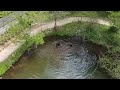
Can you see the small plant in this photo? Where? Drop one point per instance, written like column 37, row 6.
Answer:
column 38, row 39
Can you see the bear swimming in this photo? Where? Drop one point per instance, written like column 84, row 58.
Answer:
column 58, row 45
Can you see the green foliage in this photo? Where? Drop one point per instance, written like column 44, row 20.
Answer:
column 4, row 13
column 3, row 68
column 105, row 62
column 84, row 13
column 113, row 29
column 95, row 14
column 96, row 33
column 115, row 17
column 70, row 29
column 115, row 72
column 114, row 14
column 111, row 65
column 103, row 14
column 24, row 21
column 113, row 40
column 59, row 14
column 39, row 16
column 39, row 38
column 14, row 30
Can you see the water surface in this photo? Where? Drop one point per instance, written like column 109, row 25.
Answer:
column 59, row 58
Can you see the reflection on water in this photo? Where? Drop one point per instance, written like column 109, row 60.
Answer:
column 69, row 58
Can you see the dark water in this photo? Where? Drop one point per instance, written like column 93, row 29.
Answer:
column 59, row 58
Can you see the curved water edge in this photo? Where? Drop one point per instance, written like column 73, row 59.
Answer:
column 59, row 58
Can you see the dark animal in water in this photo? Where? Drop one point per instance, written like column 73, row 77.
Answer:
column 27, row 53
column 70, row 45
column 57, row 45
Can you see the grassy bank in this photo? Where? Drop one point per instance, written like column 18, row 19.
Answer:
column 95, row 33
column 4, row 66
column 38, row 39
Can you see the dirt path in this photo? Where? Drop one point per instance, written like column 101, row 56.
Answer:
column 11, row 48
column 66, row 21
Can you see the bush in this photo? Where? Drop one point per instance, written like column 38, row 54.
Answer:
column 113, row 29
column 111, row 66
column 38, row 39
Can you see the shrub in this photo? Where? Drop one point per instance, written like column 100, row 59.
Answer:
column 113, row 29
column 38, row 39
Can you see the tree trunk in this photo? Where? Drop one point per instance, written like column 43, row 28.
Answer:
column 55, row 27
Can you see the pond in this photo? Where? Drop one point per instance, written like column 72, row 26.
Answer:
column 59, row 58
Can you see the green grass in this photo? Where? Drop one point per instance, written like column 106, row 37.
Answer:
column 4, row 13
column 94, row 14
column 111, row 64
column 20, row 28
column 84, row 13
column 39, row 16
column 97, row 35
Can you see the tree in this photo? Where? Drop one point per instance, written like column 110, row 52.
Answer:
column 58, row 14
column 55, row 16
